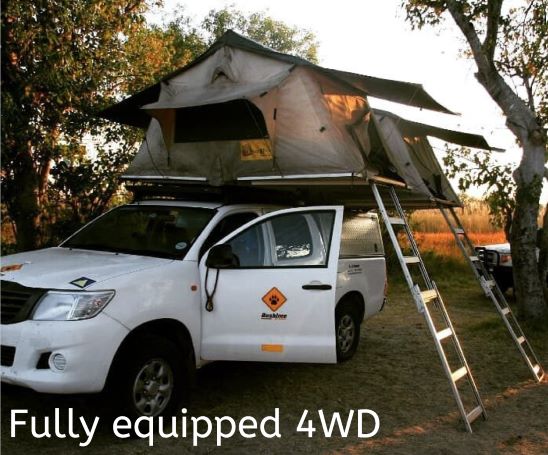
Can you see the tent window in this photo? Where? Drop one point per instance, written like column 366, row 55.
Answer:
column 231, row 121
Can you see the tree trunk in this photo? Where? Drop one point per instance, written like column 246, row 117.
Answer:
column 543, row 255
column 528, row 289
column 25, row 211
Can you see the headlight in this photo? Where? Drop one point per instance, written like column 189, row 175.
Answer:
column 504, row 258
column 71, row 306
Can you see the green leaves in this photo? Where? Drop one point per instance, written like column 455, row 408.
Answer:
column 480, row 169
column 263, row 29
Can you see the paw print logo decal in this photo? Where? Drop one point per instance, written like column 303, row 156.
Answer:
column 274, row 299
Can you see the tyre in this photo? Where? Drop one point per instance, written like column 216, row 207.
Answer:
column 347, row 330
column 503, row 285
column 503, row 282
column 150, row 379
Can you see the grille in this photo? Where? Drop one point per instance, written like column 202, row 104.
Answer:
column 489, row 257
column 12, row 304
column 17, row 302
column 8, row 354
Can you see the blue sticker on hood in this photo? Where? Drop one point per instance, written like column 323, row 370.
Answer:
column 82, row 282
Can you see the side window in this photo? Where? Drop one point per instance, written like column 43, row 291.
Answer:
column 292, row 240
column 227, row 225
column 292, row 237
column 361, row 235
column 249, row 247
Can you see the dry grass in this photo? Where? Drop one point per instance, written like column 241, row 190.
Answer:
column 443, row 243
column 474, row 218
column 433, row 235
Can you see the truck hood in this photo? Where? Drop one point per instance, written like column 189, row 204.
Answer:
column 503, row 248
column 64, row 268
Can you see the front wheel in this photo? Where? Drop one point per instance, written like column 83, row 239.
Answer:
column 347, row 331
column 151, row 380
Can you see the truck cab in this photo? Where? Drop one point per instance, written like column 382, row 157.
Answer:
column 139, row 298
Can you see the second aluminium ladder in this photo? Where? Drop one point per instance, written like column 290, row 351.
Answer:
column 492, row 291
column 430, row 304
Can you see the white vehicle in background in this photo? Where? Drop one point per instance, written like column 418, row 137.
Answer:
column 142, row 296
column 497, row 258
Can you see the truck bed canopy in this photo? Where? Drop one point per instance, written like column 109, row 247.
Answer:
column 242, row 114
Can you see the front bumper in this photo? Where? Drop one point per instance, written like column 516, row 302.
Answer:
column 87, row 345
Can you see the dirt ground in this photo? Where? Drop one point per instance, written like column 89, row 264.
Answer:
column 396, row 373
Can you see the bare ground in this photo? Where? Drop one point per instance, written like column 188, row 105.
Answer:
column 396, row 373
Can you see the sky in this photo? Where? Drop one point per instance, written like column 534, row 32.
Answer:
column 371, row 37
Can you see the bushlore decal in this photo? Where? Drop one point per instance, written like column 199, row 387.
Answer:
column 274, row 299
column 274, row 316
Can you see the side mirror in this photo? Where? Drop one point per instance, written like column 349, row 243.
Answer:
column 220, row 257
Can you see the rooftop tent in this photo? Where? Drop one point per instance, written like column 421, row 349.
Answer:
column 244, row 114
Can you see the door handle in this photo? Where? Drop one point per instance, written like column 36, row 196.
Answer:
column 317, row 287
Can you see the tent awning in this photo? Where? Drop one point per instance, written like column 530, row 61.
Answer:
column 409, row 128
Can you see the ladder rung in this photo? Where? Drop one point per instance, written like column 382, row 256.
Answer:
column 442, row 334
column 429, row 295
column 474, row 258
column 474, row 414
column 411, row 259
column 490, row 283
column 394, row 220
column 536, row 368
column 521, row 340
column 459, row 231
column 506, row 310
column 456, row 375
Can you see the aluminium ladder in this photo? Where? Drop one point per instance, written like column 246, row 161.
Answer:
column 429, row 302
column 492, row 290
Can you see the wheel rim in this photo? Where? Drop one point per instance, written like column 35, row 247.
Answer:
column 153, row 387
column 346, row 333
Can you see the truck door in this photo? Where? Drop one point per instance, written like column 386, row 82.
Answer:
column 276, row 302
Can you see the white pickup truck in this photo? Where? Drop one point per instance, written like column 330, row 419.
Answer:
column 139, row 298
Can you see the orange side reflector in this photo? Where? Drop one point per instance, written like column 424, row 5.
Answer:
column 272, row 347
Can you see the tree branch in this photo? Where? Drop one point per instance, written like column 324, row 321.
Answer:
column 469, row 32
column 493, row 21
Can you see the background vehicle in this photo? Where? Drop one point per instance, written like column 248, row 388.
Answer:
column 498, row 260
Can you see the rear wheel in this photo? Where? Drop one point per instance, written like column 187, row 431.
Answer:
column 347, row 330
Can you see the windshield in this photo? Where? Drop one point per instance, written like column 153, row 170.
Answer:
column 144, row 230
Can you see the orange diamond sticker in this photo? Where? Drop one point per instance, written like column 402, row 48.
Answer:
column 274, row 299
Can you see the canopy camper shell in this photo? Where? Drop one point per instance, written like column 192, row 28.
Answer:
column 243, row 115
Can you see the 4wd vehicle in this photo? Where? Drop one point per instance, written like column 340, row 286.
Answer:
column 498, row 260
column 146, row 293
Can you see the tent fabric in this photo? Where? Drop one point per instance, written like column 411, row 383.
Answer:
column 412, row 156
column 307, row 133
column 243, row 113
column 127, row 111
